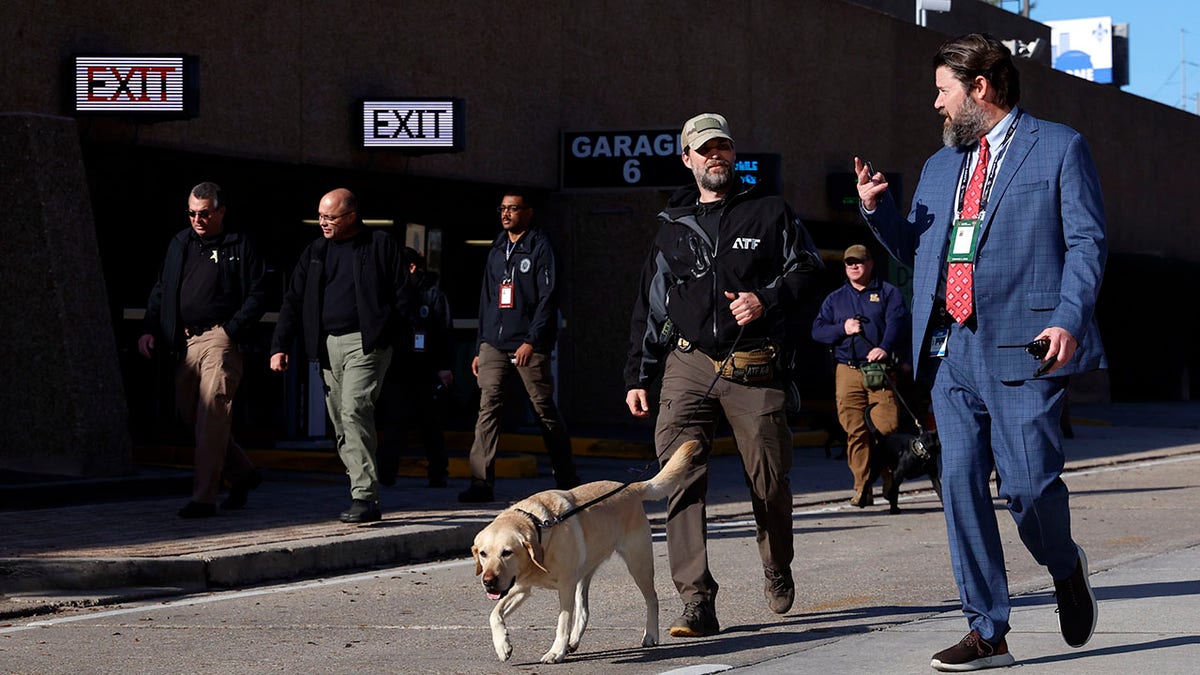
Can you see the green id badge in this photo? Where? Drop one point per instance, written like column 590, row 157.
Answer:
column 962, row 240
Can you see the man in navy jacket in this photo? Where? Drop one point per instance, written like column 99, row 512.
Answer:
column 518, row 326
column 863, row 321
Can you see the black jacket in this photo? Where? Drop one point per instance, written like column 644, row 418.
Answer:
column 382, row 291
column 431, row 316
column 762, row 248
column 533, row 317
column 243, row 273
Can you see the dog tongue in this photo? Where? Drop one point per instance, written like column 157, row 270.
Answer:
column 493, row 596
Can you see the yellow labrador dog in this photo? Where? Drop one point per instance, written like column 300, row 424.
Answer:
column 515, row 553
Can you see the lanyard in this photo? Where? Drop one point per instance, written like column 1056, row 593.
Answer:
column 509, row 247
column 993, row 169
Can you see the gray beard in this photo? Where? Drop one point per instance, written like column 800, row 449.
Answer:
column 966, row 128
column 716, row 182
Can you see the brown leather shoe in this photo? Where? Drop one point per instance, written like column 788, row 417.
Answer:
column 972, row 653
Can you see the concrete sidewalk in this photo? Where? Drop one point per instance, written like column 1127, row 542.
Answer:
column 1147, row 616
column 119, row 549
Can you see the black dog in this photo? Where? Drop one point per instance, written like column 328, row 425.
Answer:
column 907, row 455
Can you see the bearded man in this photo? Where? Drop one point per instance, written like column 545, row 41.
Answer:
column 1007, row 238
column 727, row 267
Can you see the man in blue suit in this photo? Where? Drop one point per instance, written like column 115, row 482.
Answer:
column 1006, row 237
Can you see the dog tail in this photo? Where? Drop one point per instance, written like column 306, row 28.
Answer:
column 671, row 475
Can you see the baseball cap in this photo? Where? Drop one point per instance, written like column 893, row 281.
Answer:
column 857, row 252
column 702, row 128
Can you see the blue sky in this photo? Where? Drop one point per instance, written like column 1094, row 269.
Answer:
column 1154, row 40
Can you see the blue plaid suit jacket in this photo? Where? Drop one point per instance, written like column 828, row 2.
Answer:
column 1041, row 251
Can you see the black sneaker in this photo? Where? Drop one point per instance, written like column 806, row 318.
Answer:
column 198, row 510
column 972, row 653
column 361, row 511
column 1077, row 610
column 240, row 490
column 779, row 589
column 699, row 619
column 478, row 493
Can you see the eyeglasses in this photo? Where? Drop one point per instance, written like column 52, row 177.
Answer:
column 851, row 262
column 201, row 215
column 510, row 208
column 322, row 218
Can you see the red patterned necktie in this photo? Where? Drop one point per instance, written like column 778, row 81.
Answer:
column 960, row 282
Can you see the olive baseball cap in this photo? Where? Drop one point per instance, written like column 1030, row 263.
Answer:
column 703, row 128
column 857, row 252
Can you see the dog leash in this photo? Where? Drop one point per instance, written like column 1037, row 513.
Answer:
column 539, row 524
column 890, row 384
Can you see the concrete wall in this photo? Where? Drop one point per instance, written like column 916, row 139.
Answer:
column 817, row 81
column 60, row 388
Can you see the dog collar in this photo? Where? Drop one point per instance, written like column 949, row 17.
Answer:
column 537, row 524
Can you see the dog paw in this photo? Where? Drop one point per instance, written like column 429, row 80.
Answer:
column 649, row 640
column 504, row 651
column 552, row 657
column 572, row 647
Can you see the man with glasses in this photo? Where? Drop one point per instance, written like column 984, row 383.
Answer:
column 518, row 326
column 728, row 266
column 863, row 322
column 209, row 295
column 348, row 299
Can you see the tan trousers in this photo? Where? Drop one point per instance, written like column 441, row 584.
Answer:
column 852, row 398
column 765, row 444
column 205, row 383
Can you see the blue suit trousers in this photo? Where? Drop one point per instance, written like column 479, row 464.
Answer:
column 1012, row 427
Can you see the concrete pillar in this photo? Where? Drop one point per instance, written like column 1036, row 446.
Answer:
column 62, row 405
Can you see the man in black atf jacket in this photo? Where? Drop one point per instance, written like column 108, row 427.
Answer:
column 727, row 266
column 209, row 295
column 518, row 325
column 348, row 297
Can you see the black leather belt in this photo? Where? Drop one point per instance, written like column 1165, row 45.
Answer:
column 196, row 331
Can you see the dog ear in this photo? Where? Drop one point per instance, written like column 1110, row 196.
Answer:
column 475, row 555
column 536, row 555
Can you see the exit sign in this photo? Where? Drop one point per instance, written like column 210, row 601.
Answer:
column 421, row 125
column 136, row 84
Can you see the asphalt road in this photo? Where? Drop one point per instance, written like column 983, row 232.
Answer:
column 856, row 572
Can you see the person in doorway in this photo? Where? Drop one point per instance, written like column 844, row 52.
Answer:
column 210, row 293
column 348, row 299
column 418, row 383
column 518, row 327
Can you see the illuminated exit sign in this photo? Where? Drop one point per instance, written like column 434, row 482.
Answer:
column 419, row 125
column 164, row 85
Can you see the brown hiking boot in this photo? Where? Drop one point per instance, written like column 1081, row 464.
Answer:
column 779, row 589
column 699, row 619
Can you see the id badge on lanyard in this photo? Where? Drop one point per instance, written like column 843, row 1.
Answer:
column 963, row 240
column 506, row 295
